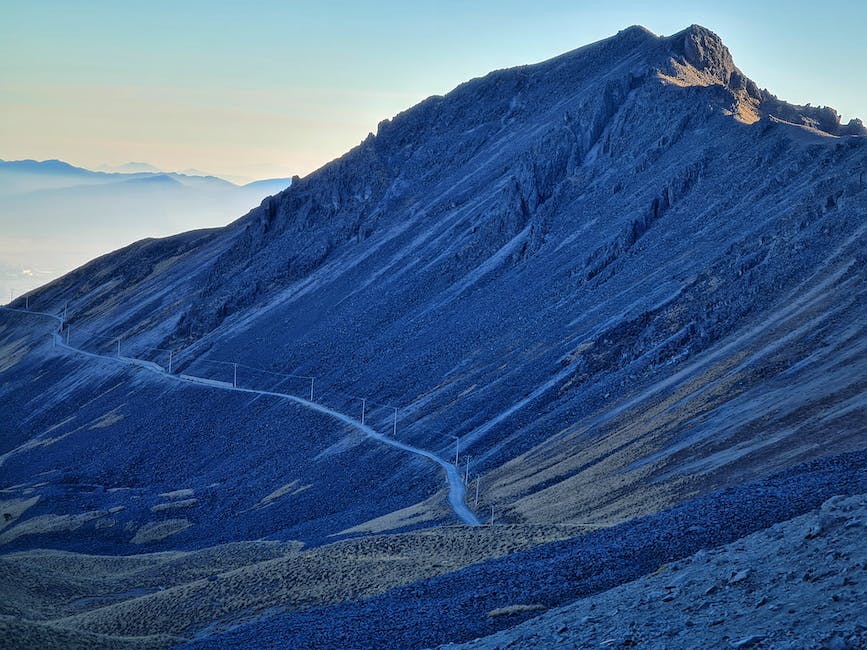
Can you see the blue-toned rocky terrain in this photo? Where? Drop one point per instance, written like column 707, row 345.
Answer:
column 625, row 286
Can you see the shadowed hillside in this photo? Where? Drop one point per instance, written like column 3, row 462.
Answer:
column 627, row 279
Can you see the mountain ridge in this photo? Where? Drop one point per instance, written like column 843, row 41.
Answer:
column 391, row 241
column 623, row 289
column 700, row 47
column 598, row 281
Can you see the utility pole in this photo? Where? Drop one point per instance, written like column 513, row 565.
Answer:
column 492, row 515
column 65, row 307
column 394, row 429
column 67, row 334
column 311, row 389
column 476, row 502
column 27, row 302
column 171, row 353
column 363, row 404
column 235, row 375
column 467, row 472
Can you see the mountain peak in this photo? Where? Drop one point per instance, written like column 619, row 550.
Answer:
column 635, row 30
column 703, row 51
column 698, row 57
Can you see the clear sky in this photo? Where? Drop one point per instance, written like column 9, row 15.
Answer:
column 258, row 89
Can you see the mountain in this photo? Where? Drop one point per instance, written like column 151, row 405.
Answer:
column 625, row 287
column 23, row 177
column 18, row 176
column 135, row 167
column 56, row 216
column 272, row 185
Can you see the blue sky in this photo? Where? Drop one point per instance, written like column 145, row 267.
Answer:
column 257, row 89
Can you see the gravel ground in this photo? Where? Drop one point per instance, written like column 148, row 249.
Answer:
column 801, row 583
column 457, row 607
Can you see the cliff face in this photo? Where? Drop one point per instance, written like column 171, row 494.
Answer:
column 515, row 137
column 623, row 276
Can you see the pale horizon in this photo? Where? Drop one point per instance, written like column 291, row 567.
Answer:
column 275, row 89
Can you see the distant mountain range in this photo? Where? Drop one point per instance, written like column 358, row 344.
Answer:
column 135, row 167
column 23, row 176
column 55, row 216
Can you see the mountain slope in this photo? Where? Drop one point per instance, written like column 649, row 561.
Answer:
column 633, row 219
column 734, row 594
column 626, row 278
column 629, row 217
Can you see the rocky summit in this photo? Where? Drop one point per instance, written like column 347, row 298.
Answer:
column 611, row 305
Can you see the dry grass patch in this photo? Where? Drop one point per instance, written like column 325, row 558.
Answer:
column 47, row 524
column 48, row 584
column 176, row 594
column 12, row 509
column 290, row 489
column 171, row 505
column 18, row 634
column 112, row 417
column 184, row 493
column 429, row 510
column 12, row 352
column 155, row 531
column 510, row 610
